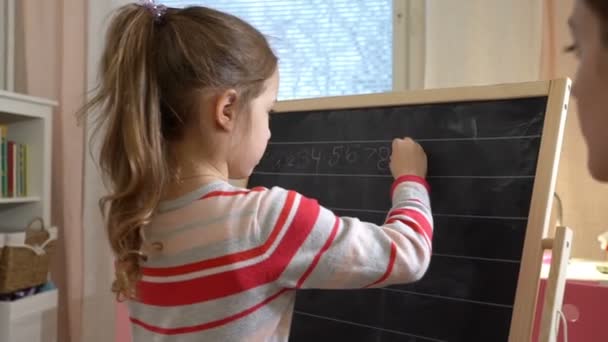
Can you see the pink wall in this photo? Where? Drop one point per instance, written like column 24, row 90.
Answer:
column 50, row 61
column 585, row 301
column 123, row 329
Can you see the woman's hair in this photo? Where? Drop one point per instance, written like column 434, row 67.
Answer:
column 600, row 7
column 153, row 72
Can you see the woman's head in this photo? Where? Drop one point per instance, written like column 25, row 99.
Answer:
column 191, row 77
column 589, row 26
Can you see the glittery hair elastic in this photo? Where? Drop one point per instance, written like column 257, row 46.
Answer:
column 157, row 10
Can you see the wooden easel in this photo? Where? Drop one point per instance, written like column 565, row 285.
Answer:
column 536, row 236
column 560, row 246
column 539, row 219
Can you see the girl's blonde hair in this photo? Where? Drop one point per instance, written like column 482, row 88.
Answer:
column 152, row 74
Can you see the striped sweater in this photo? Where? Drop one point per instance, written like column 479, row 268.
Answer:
column 233, row 258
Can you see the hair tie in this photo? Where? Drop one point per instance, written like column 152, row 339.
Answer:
column 157, row 10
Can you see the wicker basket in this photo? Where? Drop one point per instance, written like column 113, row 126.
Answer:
column 25, row 257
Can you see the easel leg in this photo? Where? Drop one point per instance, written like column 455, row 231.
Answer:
column 561, row 247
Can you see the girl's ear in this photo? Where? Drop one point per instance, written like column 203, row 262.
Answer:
column 224, row 115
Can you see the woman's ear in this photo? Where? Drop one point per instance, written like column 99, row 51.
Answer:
column 225, row 109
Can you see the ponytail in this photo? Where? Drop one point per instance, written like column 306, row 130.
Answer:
column 156, row 64
column 131, row 157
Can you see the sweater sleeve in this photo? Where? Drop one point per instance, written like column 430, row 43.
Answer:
column 317, row 249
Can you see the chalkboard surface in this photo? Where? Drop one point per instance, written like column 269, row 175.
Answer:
column 482, row 164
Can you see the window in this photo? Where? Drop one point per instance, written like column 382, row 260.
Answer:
column 325, row 47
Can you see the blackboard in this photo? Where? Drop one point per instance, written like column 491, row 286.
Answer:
column 493, row 154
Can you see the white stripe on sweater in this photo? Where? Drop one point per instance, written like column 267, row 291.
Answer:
column 236, row 265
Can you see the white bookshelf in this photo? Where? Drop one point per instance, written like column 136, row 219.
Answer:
column 29, row 121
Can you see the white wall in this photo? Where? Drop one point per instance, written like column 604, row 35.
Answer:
column 3, row 20
column 7, row 44
column 476, row 42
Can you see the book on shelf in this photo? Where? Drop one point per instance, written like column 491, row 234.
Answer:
column 12, row 177
column 4, row 161
column 13, row 166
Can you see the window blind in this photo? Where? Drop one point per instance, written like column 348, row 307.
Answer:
column 325, row 47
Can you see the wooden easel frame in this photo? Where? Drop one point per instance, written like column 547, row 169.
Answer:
column 558, row 93
column 540, row 219
column 561, row 247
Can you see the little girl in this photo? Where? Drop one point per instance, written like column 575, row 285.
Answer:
column 184, row 102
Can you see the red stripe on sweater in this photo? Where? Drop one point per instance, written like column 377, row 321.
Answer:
column 323, row 249
column 231, row 282
column 419, row 222
column 389, row 268
column 232, row 193
column 209, row 325
column 230, row 258
column 409, row 178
